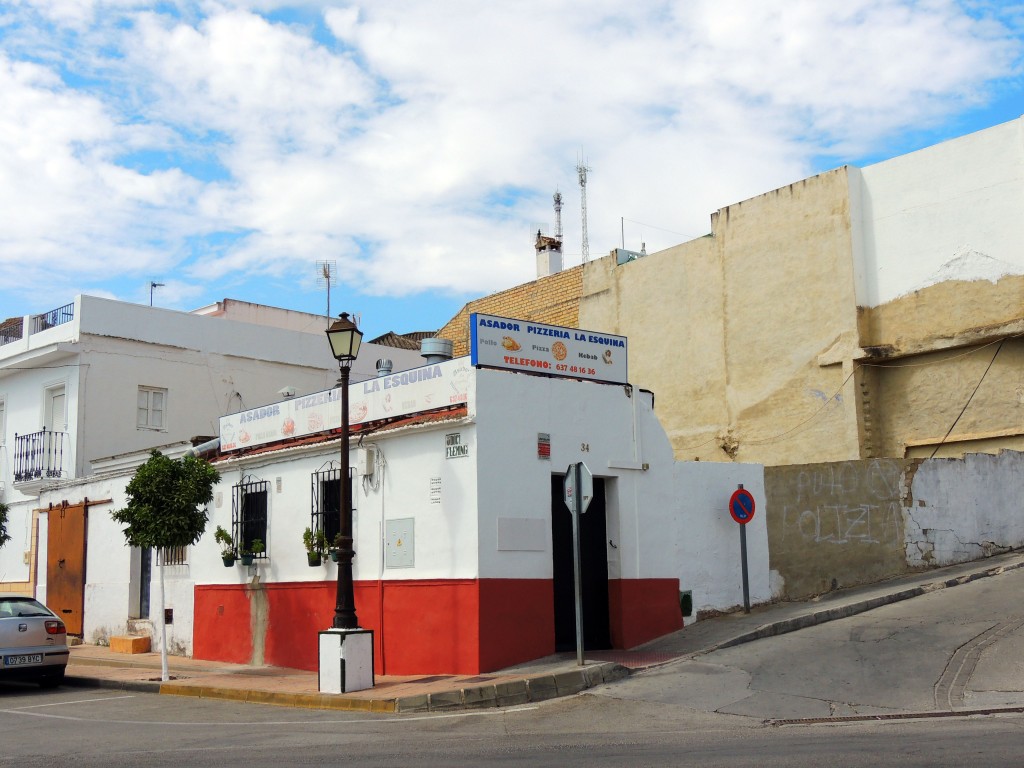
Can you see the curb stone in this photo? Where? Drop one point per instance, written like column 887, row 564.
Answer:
column 138, row 686
column 541, row 688
column 511, row 693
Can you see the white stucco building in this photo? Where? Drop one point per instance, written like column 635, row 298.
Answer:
column 96, row 378
column 462, row 538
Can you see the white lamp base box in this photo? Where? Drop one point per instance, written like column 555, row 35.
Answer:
column 346, row 660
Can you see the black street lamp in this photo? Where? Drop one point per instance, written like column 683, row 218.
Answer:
column 345, row 338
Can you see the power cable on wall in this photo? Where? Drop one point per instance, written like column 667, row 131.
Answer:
column 964, row 409
column 810, row 418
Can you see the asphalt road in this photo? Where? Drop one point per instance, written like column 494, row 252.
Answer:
column 937, row 653
column 114, row 729
column 955, row 649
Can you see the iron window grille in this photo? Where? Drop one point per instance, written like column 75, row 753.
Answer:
column 326, row 513
column 249, row 513
column 172, row 556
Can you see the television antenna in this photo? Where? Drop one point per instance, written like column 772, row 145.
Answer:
column 326, row 274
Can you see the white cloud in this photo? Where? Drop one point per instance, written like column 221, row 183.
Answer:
column 419, row 143
column 60, row 190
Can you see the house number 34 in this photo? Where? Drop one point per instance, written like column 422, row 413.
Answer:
column 585, row 447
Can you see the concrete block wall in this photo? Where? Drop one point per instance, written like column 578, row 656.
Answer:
column 840, row 524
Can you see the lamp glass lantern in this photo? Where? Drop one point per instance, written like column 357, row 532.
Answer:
column 345, row 339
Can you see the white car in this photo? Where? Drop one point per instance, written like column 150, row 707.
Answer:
column 33, row 642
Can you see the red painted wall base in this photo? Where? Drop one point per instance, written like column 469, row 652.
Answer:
column 454, row 626
column 642, row 609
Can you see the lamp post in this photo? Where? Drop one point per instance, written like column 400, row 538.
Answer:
column 345, row 338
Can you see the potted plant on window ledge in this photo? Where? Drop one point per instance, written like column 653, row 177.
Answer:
column 256, row 547
column 335, row 547
column 227, row 546
column 316, row 545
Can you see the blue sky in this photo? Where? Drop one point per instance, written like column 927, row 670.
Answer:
column 224, row 148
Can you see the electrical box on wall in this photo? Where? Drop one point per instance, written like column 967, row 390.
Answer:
column 400, row 543
column 366, row 460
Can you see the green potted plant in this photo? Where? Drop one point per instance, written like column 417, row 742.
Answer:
column 227, row 546
column 335, row 546
column 316, row 545
column 256, row 547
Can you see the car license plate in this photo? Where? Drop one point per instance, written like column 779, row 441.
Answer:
column 28, row 658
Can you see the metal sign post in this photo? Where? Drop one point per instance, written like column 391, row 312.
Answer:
column 741, row 507
column 579, row 490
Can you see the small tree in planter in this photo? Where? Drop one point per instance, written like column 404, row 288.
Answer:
column 4, row 537
column 316, row 545
column 228, row 550
column 167, row 508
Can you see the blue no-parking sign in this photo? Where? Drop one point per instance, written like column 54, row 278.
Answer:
column 741, row 506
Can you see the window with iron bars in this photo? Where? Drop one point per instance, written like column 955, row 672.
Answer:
column 326, row 511
column 249, row 513
column 172, row 556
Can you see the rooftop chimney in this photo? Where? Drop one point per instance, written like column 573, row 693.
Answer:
column 436, row 350
column 549, row 249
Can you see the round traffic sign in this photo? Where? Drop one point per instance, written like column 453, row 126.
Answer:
column 741, row 506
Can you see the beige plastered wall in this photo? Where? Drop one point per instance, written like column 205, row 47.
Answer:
column 746, row 336
column 945, row 370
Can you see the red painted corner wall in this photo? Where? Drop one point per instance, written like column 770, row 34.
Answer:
column 447, row 626
column 642, row 609
column 517, row 621
column 431, row 627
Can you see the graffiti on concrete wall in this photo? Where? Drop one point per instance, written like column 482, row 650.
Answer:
column 855, row 522
column 836, row 524
column 846, row 503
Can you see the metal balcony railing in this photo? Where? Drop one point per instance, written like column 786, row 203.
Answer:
column 38, row 456
column 10, row 331
column 54, row 317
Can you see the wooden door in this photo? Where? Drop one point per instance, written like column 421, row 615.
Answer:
column 65, row 563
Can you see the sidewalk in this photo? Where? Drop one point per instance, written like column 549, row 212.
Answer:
column 551, row 677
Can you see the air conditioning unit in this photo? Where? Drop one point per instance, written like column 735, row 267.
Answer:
column 366, row 461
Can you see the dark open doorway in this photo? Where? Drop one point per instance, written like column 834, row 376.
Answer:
column 593, row 570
